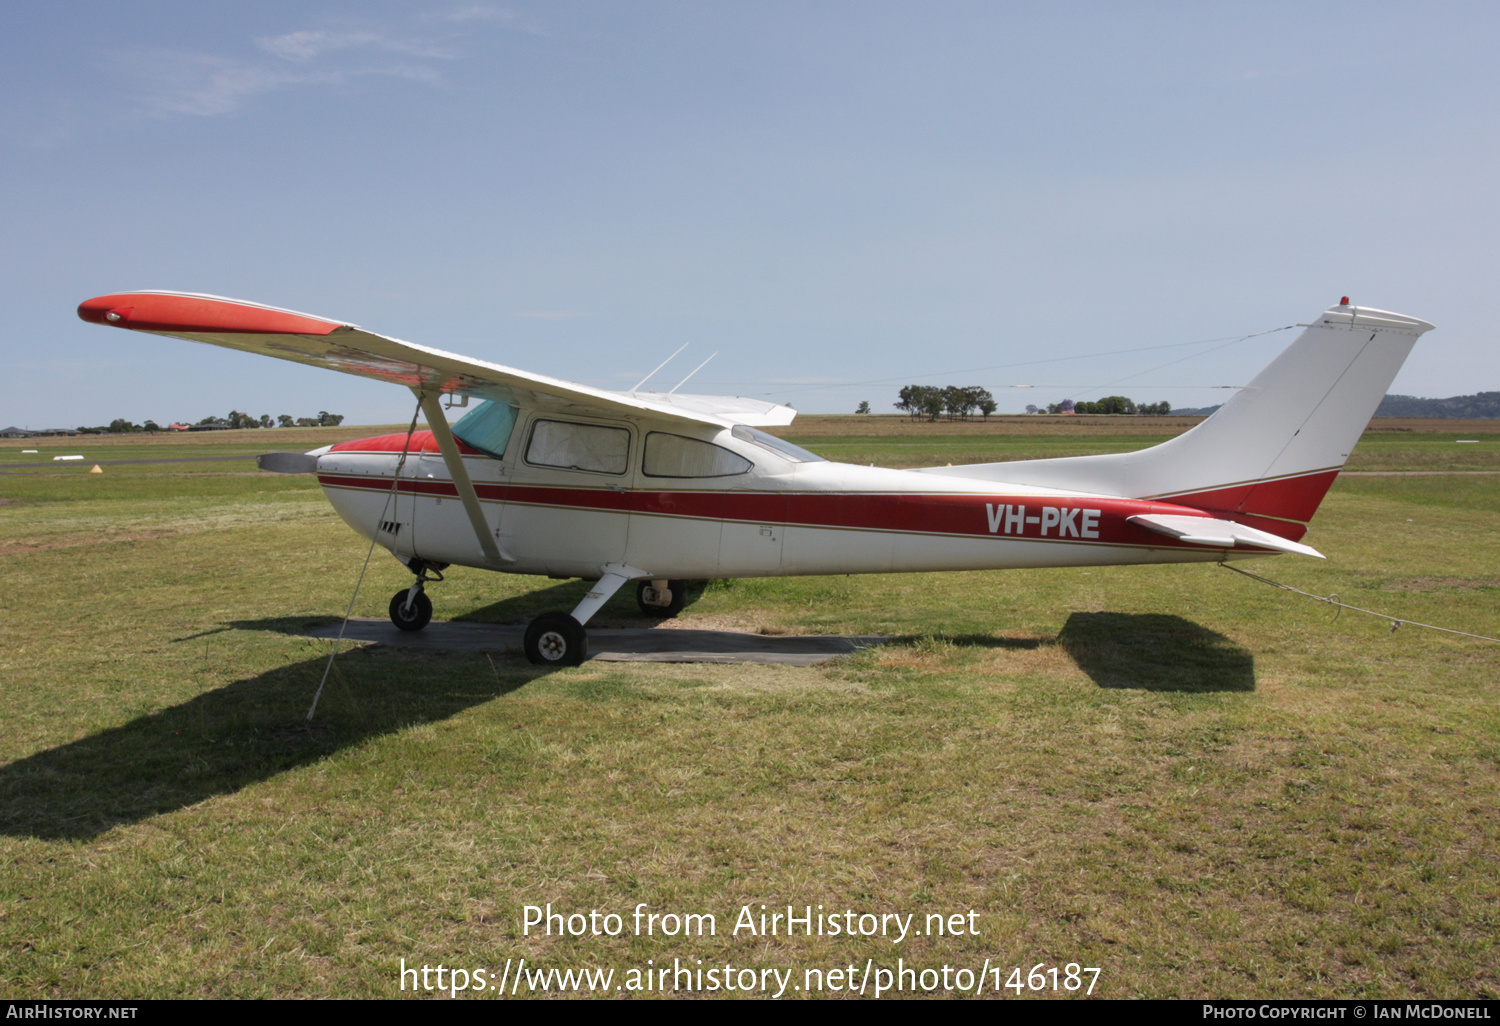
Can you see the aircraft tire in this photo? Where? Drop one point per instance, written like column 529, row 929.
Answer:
column 415, row 618
column 556, row 639
column 666, row 612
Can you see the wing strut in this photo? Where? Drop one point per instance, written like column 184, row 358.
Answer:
column 455, row 463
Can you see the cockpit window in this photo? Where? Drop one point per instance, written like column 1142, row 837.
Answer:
column 592, row 447
column 487, row 428
column 795, row 453
column 677, row 456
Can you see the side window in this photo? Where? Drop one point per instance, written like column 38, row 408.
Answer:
column 593, row 447
column 487, row 428
column 676, row 456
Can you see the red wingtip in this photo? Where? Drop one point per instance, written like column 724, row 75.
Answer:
column 98, row 310
column 173, row 312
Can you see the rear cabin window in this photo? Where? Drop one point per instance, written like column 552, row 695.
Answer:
column 487, row 428
column 568, row 446
column 677, row 456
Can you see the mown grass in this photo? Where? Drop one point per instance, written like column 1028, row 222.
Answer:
column 1199, row 784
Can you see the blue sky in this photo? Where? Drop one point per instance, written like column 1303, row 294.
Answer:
column 839, row 198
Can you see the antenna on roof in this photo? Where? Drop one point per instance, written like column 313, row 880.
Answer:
column 659, row 366
column 695, row 370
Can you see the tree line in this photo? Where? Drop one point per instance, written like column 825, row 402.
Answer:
column 1115, row 404
column 235, row 420
column 954, row 401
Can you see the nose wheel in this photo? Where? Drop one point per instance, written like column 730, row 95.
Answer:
column 410, row 612
column 411, row 609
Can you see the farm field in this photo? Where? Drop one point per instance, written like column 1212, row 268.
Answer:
column 1194, row 783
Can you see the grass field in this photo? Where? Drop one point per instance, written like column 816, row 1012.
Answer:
column 1199, row 785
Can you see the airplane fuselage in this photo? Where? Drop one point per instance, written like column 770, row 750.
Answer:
column 778, row 517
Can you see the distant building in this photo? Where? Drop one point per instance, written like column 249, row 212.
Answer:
column 15, row 432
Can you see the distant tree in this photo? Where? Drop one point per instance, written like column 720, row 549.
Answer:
column 918, row 400
column 864, row 407
column 931, row 402
column 285, row 420
column 1032, row 409
column 907, row 403
column 209, row 420
column 151, row 426
column 306, row 422
column 984, row 402
column 121, row 426
column 265, row 420
column 1110, row 404
column 955, row 402
column 963, row 402
column 327, row 419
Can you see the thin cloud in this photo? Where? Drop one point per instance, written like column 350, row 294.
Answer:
column 203, row 85
column 308, row 44
column 186, row 84
column 495, row 15
column 176, row 84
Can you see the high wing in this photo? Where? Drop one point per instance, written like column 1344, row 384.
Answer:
column 335, row 345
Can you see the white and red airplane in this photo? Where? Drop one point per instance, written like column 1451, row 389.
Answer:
column 549, row 477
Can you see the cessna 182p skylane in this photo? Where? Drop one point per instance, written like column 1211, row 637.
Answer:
column 548, row 477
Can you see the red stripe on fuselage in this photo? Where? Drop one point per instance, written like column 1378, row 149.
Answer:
column 1086, row 521
column 1287, row 498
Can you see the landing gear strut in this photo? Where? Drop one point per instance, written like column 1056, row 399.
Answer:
column 411, row 609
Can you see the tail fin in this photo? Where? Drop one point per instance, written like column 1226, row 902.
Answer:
column 1270, row 454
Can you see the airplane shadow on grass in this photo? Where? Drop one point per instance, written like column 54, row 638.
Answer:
column 1156, row 652
column 252, row 730
column 234, row 736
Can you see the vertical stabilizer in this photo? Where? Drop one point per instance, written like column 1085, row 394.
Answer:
column 1269, row 455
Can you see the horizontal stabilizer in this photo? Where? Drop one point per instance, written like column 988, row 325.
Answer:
column 1219, row 534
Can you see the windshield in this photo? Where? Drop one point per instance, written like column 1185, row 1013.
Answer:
column 487, row 428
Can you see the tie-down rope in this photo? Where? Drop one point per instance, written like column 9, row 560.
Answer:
column 406, row 448
column 1333, row 600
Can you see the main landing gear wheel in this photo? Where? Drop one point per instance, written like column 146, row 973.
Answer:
column 648, row 596
column 556, row 639
column 412, row 617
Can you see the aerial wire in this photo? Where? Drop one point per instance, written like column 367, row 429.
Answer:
column 389, row 496
column 1033, row 363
